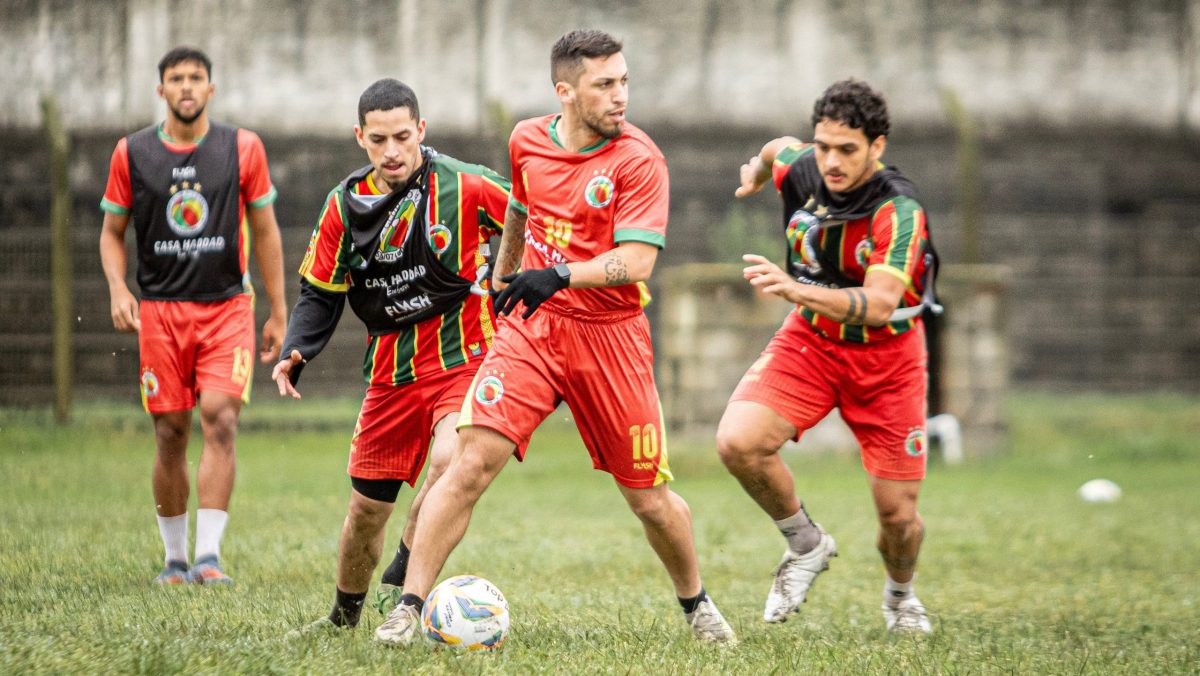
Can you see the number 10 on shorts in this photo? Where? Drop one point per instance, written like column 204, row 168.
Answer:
column 644, row 444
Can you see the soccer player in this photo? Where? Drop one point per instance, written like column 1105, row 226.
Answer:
column 190, row 186
column 405, row 239
column 859, row 244
column 587, row 217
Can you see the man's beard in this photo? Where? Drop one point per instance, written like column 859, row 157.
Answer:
column 188, row 119
column 609, row 133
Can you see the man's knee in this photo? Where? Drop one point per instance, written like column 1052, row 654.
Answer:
column 900, row 520
column 654, row 505
column 739, row 446
column 171, row 433
column 480, row 456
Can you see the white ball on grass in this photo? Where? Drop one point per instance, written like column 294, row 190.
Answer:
column 1100, row 490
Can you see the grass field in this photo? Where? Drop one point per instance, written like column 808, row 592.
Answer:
column 1019, row 574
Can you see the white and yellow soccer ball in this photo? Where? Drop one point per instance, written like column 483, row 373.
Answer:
column 466, row 612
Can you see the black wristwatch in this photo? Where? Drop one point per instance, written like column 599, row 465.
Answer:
column 563, row 273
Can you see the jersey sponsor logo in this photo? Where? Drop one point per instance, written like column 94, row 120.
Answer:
column 149, row 384
column 183, row 173
column 549, row 255
column 862, row 252
column 439, row 238
column 187, row 211
column 599, row 191
column 914, row 445
column 490, row 390
column 182, row 248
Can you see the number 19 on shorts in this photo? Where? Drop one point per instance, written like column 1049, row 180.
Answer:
column 644, row 445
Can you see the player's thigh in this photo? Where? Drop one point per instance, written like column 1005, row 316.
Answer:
column 794, row 376
column 516, row 388
column 225, row 347
column 392, row 434
column 884, row 404
column 611, row 391
column 750, row 428
column 166, row 355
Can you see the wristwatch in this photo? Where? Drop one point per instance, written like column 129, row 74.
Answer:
column 563, row 273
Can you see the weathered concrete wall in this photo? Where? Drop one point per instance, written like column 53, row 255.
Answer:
column 1096, row 221
column 298, row 67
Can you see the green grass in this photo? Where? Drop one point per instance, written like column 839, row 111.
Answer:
column 1019, row 574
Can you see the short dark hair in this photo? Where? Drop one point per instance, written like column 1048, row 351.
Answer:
column 184, row 53
column 567, row 55
column 854, row 104
column 387, row 94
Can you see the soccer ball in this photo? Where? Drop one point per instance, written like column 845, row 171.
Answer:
column 1100, row 490
column 466, row 612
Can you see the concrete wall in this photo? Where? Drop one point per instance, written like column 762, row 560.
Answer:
column 1090, row 188
column 298, row 67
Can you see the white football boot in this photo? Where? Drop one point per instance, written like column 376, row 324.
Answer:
column 907, row 616
column 795, row 576
column 709, row 625
column 402, row 626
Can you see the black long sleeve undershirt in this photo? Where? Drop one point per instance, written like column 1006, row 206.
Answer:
column 312, row 324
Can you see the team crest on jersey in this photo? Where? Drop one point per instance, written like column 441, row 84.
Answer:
column 799, row 224
column 149, row 384
column 490, row 390
column 395, row 228
column 439, row 238
column 187, row 211
column 862, row 252
column 914, row 445
column 599, row 191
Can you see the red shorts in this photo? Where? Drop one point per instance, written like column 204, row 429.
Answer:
column 395, row 426
column 602, row 367
column 879, row 389
column 188, row 347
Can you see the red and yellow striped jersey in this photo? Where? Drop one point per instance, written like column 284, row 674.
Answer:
column 466, row 206
column 893, row 238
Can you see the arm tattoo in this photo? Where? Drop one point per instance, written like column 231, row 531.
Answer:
column 615, row 271
column 857, row 312
column 512, row 243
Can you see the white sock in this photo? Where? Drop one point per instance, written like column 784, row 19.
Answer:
column 799, row 530
column 895, row 592
column 174, row 532
column 210, row 526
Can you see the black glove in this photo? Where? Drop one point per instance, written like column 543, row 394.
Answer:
column 532, row 287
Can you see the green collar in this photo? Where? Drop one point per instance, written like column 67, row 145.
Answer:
column 554, row 137
column 164, row 136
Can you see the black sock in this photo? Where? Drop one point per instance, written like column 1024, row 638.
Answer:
column 690, row 605
column 394, row 575
column 347, row 608
column 412, row 600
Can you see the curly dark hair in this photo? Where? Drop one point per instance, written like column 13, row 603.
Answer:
column 567, row 55
column 854, row 104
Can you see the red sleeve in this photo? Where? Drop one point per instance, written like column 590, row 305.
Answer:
column 118, row 195
column 493, row 201
column 324, row 264
column 254, row 179
column 643, row 200
column 518, row 176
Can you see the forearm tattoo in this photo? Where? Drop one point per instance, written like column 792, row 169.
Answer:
column 857, row 312
column 512, row 242
column 615, row 271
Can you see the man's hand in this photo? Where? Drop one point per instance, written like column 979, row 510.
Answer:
column 770, row 278
column 272, row 339
column 532, row 287
column 124, row 308
column 753, row 175
column 282, row 374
